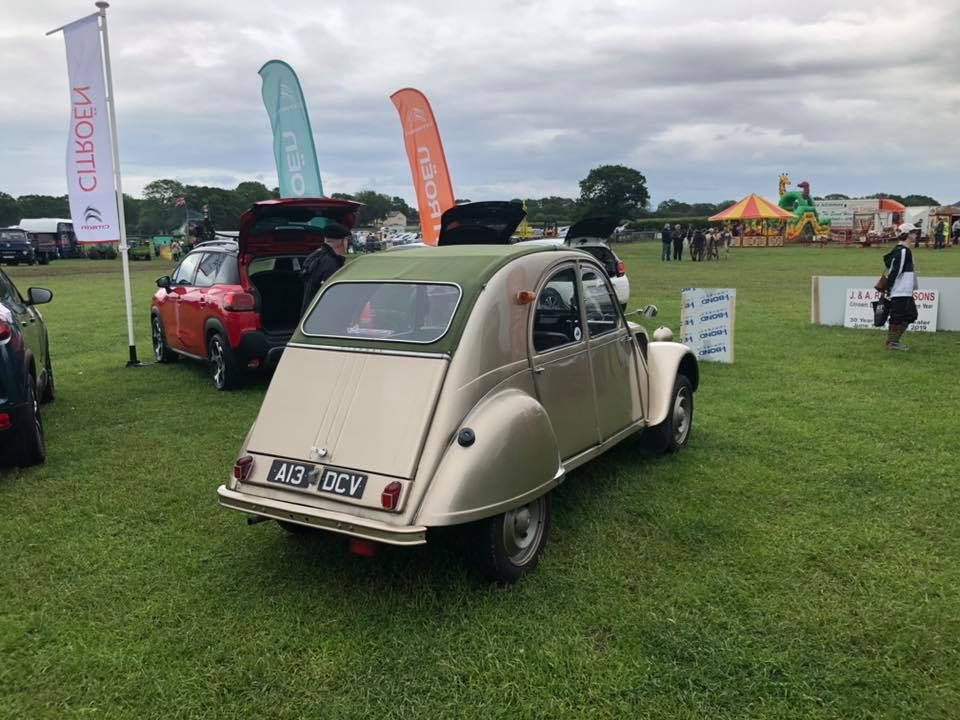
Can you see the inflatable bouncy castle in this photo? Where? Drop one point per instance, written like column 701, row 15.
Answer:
column 806, row 223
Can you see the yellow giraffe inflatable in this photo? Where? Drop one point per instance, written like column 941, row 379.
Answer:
column 784, row 181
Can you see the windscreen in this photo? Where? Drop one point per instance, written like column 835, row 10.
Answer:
column 391, row 311
column 13, row 236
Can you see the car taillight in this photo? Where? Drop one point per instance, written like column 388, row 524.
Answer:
column 239, row 301
column 621, row 268
column 242, row 468
column 5, row 421
column 390, row 497
column 5, row 330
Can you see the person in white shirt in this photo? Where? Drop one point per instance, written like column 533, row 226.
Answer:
column 956, row 231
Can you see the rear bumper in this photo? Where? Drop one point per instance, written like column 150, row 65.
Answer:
column 261, row 346
column 322, row 519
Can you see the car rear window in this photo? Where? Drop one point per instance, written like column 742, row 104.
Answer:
column 605, row 256
column 384, row 311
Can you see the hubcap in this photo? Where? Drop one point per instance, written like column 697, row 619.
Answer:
column 681, row 416
column 523, row 531
column 216, row 357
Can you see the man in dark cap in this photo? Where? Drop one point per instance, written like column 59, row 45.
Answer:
column 324, row 261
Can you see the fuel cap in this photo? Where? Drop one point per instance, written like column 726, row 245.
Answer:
column 466, row 437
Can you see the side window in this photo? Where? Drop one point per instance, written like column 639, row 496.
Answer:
column 208, row 268
column 184, row 273
column 599, row 303
column 229, row 272
column 556, row 319
column 8, row 291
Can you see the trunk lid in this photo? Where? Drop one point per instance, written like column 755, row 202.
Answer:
column 481, row 223
column 592, row 228
column 291, row 225
column 369, row 411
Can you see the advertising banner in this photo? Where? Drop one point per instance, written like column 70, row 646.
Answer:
column 293, row 149
column 93, row 197
column 858, row 310
column 428, row 165
column 707, row 322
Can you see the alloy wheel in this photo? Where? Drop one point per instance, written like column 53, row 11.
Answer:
column 681, row 416
column 217, row 361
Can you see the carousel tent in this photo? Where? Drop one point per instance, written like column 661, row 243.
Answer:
column 753, row 207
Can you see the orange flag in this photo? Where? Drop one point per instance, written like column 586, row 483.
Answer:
column 427, row 162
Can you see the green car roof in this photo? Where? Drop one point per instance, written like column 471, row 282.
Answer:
column 469, row 266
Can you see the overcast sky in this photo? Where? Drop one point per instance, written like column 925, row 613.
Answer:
column 709, row 99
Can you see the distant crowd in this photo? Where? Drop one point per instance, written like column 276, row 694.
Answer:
column 700, row 244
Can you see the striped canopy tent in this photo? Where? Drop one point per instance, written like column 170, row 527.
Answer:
column 755, row 207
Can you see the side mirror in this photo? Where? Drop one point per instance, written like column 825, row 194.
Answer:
column 649, row 311
column 164, row 282
column 39, row 296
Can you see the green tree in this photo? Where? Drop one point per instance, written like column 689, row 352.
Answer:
column 614, row 190
column 836, row 196
column 918, row 200
column 43, row 206
column 9, row 210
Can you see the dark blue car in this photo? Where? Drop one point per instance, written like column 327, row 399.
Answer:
column 26, row 375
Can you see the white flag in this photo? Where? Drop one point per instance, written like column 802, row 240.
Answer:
column 93, row 198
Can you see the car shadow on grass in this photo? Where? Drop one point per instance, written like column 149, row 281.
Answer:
column 312, row 561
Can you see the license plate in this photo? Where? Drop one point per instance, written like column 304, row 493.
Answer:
column 330, row 480
column 290, row 474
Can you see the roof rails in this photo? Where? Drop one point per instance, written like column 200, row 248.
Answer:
column 222, row 241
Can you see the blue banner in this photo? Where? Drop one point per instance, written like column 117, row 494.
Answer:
column 293, row 148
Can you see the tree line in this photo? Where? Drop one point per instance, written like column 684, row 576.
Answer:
column 614, row 190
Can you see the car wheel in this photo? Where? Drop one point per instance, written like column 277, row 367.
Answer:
column 674, row 432
column 45, row 259
column 32, row 446
column 512, row 543
column 161, row 351
column 223, row 366
column 49, row 390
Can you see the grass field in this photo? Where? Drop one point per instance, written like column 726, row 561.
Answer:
column 799, row 560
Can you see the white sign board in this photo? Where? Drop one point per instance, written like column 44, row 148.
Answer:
column 706, row 323
column 858, row 311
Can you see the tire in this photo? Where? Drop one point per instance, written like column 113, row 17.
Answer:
column 49, row 393
column 511, row 544
column 673, row 433
column 31, row 443
column 161, row 351
column 224, row 370
column 45, row 259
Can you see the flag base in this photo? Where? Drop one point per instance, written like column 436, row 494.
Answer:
column 133, row 361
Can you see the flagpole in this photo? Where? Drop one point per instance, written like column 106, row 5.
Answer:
column 118, row 184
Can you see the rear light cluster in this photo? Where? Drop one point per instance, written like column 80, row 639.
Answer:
column 5, row 421
column 621, row 268
column 242, row 468
column 5, row 330
column 390, row 497
column 239, row 301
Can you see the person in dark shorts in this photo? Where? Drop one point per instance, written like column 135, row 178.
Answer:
column 901, row 282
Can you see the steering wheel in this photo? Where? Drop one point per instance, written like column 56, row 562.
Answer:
column 550, row 298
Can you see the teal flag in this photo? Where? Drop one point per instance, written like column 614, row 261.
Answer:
column 293, row 147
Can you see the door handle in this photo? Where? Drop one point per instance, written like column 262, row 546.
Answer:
column 538, row 370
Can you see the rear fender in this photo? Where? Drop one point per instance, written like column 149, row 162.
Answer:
column 513, row 459
column 666, row 360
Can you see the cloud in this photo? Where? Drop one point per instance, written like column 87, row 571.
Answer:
column 710, row 100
